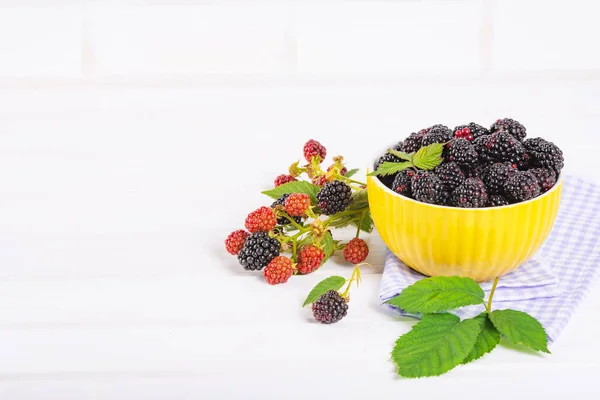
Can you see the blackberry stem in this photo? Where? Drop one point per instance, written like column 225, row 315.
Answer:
column 294, row 247
column 294, row 223
column 488, row 307
column 356, row 182
column 362, row 216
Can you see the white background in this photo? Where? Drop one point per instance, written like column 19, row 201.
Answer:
column 135, row 135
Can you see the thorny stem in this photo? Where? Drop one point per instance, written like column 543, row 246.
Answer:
column 488, row 307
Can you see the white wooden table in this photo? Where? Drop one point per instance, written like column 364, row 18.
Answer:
column 114, row 203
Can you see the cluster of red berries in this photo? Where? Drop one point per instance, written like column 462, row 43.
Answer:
column 293, row 222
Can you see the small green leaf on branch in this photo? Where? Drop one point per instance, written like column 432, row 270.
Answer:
column 331, row 283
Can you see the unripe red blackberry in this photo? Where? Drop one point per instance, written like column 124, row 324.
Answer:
column 262, row 219
column 235, row 241
column 356, row 251
column 310, row 258
column 279, row 270
column 312, row 148
column 279, row 204
column 297, row 204
column 330, row 308
column 282, row 179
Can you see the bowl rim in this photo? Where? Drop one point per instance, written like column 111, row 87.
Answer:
column 559, row 182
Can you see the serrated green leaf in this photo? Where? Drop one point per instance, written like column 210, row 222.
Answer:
column 331, row 283
column 487, row 340
column 295, row 187
column 402, row 155
column 520, row 328
column 429, row 157
column 351, row 172
column 438, row 294
column 390, row 168
column 435, row 345
column 328, row 245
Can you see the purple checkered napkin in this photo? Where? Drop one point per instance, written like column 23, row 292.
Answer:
column 554, row 281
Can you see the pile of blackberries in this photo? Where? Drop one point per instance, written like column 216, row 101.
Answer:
column 480, row 168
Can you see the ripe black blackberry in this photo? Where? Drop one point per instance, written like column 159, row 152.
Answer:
column 462, row 152
column 450, row 174
column 511, row 126
column 414, row 141
column 279, row 204
column 477, row 170
column 496, row 175
column 471, row 194
column 399, row 146
column 428, row 188
column 543, row 153
column 258, row 251
column 330, row 308
column 499, row 147
column 387, row 157
column 521, row 186
column 545, row 176
column 497, row 200
column 470, row 131
column 402, row 182
column 437, row 134
column 334, row 197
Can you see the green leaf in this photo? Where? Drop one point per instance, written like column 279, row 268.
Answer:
column 438, row 294
column 435, row 345
column 328, row 245
column 429, row 157
column 520, row 328
column 331, row 283
column 402, row 155
column 359, row 200
column 488, row 339
column 351, row 172
column 295, row 187
column 390, row 168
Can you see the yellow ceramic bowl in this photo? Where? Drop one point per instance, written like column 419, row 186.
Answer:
column 480, row 243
